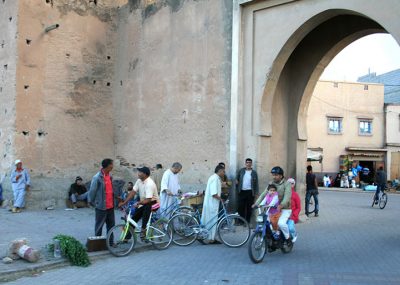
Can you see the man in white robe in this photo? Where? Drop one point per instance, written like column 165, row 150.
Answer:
column 170, row 188
column 212, row 198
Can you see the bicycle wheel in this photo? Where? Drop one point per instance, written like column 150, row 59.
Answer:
column 184, row 229
column 233, row 230
column 311, row 205
column 121, row 240
column 257, row 247
column 160, row 235
column 383, row 201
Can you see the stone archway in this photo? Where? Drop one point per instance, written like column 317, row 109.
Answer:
column 280, row 48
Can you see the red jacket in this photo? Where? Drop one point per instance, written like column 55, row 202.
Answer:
column 296, row 206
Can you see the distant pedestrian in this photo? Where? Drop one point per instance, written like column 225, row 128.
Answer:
column 380, row 180
column 1, row 189
column 102, row 195
column 157, row 175
column 212, row 199
column 311, row 191
column 20, row 182
column 327, row 181
column 247, row 187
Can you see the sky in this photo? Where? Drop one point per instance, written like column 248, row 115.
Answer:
column 378, row 53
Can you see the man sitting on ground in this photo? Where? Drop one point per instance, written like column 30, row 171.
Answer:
column 77, row 191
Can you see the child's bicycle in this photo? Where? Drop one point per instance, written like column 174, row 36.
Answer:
column 121, row 239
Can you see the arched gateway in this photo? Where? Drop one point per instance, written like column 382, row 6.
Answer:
column 279, row 50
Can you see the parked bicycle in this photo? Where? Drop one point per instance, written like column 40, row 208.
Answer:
column 381, row 200
column 264, row 239
column 121, row 239
column 232, row 229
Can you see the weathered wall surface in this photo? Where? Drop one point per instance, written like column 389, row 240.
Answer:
column 8, row 59
column 348, row 101
column 172, row 85
column 392, row 112
column 64, row 121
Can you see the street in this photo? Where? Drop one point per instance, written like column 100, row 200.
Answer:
column 349, row 243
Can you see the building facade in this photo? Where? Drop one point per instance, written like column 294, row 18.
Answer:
column 346, row 123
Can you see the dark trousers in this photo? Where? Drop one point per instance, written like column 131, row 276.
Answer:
column 104, row 216
column 1, row 194
column 245, row 200
column 144, row 214
column 310, row 194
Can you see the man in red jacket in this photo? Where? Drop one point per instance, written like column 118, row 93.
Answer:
column 295, row 203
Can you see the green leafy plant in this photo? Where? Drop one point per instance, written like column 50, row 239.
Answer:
column 73, row 250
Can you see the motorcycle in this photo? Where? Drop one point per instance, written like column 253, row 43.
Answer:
column 264, row 239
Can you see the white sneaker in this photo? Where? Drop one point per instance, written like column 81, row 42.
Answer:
column 294, row 238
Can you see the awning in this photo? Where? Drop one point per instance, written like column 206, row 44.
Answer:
column 366, row 149
column 314, row 155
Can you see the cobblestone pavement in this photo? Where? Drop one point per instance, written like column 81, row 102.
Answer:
column 350, row 243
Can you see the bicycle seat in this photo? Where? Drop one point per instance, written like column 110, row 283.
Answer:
column 155, row 207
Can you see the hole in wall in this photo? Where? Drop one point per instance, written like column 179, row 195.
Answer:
column 10, row 19
column 120, row 82
column 94, row 82
column 28, row 41
column 67, row 55
column 41, row 133
column 25, row 133
column 26, row 87
column 108, row 57
column 5, row 66
column 108, row 84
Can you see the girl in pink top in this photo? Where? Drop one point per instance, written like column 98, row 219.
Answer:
column 272, row 200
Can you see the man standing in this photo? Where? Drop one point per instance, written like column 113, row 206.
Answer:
column 212, row 198
column 1, row 189
column 380, row 180
column 77, row 191
column 170, row 186
column 157, row 175
column 20, row 182
column 311, row 190
column 247, row 187
column 148, row 194
column 102, row 195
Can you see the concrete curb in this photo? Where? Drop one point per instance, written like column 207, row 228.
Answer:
column 32, row 269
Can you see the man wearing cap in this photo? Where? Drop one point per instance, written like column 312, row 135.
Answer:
column 101, row 196
column 77, row 191
column 20, row 182
column 148, row 194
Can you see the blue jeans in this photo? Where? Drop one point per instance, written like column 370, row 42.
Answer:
column 309, row 194
column 379, row 187
column 1, row 193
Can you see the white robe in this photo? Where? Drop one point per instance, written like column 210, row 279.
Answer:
column 211, row 205
column 170, row 182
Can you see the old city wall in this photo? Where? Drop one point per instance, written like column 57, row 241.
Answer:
column 172, row 85
column 8, row 59
column 64, row 114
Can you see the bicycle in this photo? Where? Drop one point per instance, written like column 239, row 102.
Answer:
column 381, row 201
column 121, row 239
column 232, row 229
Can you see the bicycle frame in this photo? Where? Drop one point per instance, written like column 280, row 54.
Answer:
column 214, row 221
column 131, row 222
